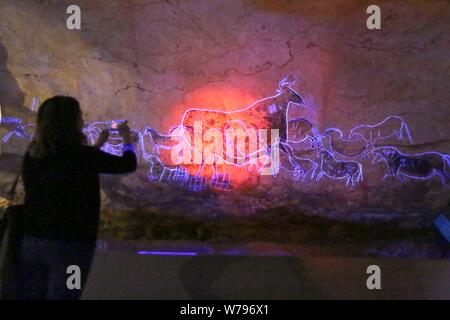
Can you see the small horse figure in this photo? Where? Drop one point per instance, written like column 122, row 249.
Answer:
column 301, row 168
column 392, row 126
column 221, row 181
column 334, row 140
column 420, row 166
column 336, row 169
column 163, row 141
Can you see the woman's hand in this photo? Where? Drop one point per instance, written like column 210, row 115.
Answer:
column 102, row 138
column 124, row 132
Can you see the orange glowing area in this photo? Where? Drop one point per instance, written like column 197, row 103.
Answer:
column 218, row 108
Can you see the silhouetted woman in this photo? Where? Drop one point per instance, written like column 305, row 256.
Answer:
column 62, row 199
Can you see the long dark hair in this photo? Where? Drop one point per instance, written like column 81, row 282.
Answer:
column 58, row 126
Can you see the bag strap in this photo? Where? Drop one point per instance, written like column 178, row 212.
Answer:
column 12, row 191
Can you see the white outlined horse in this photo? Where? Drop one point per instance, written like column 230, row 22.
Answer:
column 419, row 166
column 335, row 169
column 391, row 127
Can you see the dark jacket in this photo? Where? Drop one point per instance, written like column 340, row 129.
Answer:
column 62, row 193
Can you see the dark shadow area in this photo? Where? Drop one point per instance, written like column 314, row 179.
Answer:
column 294, row 235
column 9, row 166
column 10, row 93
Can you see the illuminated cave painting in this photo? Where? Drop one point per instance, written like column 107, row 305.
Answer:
column 260, row 138
column 392, row 126
column 266, row 114
column 419, row 166
column 300, row 130
column 351, row 171
column 332, row 139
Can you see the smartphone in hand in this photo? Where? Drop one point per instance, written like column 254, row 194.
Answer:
column 114, row 125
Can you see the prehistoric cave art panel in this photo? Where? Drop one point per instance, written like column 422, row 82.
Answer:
column 261, row 139
column 329, row 154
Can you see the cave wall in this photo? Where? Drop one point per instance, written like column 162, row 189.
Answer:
column 147, row 61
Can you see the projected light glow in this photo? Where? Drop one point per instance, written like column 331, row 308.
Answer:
column 208, row 143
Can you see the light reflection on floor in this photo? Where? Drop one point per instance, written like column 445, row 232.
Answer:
column 382, row 249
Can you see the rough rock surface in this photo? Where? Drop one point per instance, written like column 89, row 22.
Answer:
column 147, row 61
